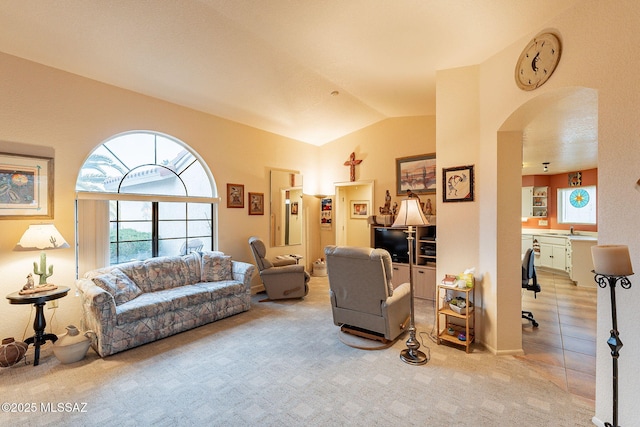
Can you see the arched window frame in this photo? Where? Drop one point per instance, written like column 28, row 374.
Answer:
column 112, row 177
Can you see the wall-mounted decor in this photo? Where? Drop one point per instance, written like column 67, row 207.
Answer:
column 575, row 179
column 235, row 196
column 256, row 203
column 457, row 184
column 326, row 208
column 416, row 173
column 294, row 208
column 359, row 209
column 26, row 187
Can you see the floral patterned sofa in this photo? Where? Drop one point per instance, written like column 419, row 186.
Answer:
column 134, row 303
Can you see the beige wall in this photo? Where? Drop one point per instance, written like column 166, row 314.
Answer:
column 42, row 107
column 52, row 113
column 591, row 27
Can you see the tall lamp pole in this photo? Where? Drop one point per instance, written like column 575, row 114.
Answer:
column 409, row 216
column 612, row 264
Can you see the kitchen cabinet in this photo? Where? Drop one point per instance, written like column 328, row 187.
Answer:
column 534, row 202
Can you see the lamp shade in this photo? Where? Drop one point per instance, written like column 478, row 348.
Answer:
column 41, row 237
column 611, row 260
column 410, row 214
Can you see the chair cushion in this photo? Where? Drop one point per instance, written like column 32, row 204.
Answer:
column 215, row 267
column 119, row 285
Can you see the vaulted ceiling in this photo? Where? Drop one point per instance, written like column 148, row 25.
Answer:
column 310, row 70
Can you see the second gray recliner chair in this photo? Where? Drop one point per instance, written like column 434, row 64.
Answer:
column 280, row 281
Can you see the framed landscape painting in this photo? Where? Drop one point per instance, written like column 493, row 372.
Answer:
column 26, row 187
column 416, row 173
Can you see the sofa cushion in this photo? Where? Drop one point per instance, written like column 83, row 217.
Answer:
column 119, row 285
column 215, row 267
column 162, row 303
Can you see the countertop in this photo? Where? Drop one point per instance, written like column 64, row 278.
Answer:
column 580, row 235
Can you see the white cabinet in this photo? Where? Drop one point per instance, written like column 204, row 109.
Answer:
column 534, row 201
column 527, row 202
column 553, row 252
column 527, row 243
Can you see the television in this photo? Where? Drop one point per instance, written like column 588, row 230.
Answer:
column 394, row 241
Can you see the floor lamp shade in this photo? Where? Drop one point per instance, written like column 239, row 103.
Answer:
column 410, row 214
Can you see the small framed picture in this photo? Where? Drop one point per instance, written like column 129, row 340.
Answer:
column 359, row 209
column 294, row 208
column 256, row 203
column 26, row 187
column 235, row 196
column 457, row 184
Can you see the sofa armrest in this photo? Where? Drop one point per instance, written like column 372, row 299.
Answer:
column 99, row 312
column 242, row 272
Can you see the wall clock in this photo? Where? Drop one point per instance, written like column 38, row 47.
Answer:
column 538, row 61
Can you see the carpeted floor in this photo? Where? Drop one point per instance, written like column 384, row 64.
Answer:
column 282, row 364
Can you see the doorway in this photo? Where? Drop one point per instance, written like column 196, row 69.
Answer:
column 351, row 225
column 558, row 128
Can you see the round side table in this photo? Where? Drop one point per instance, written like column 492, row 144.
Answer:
column 39, row 323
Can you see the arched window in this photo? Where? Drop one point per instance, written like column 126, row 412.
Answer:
column 154, row 194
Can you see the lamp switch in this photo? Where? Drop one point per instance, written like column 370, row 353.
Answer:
column 52, row 304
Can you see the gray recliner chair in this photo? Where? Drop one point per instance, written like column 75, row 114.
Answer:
column 282, row 278
column 361, row 292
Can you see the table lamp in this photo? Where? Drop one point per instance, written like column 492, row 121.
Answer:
column 41, row 237
column 411, row 214
column 612, row 264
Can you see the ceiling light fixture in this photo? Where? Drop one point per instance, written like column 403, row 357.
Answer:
column 545, row 167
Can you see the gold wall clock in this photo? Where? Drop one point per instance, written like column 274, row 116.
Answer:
column 538, row 61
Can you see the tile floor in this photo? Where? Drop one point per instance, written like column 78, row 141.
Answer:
column 563, row 347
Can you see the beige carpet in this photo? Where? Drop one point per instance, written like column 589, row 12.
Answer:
column 282, row 364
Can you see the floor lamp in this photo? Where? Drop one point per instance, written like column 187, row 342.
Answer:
column 409, row 216
column 612, row 263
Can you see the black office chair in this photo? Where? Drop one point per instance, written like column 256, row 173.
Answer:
column 529, row 282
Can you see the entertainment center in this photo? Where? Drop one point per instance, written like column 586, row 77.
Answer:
column 394, row 240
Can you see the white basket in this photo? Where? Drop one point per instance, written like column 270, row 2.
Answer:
column 458, row 309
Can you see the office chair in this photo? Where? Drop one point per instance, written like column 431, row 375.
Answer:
column 529, row 282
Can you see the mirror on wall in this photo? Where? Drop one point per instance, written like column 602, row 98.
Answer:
column 286, row 208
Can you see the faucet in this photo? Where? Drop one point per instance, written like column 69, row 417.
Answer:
column 571, row 230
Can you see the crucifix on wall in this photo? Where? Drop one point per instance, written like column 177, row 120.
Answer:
column 352, row 162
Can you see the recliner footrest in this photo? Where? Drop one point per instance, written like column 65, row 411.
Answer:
column 353, row 330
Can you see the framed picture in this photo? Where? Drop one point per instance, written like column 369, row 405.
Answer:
column 416, row 173
column 359, row 209
column 294, row 208
column 256, row 203
column 457, row 184
column 26, row 187
column 235, row 196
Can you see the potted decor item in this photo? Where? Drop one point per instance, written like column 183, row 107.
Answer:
column 11, row 352
column 73, row 346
